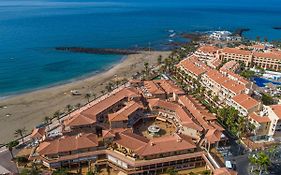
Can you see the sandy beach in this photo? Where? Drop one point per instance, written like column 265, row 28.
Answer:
column 29, row 109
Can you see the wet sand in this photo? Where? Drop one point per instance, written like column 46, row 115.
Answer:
column 29, row 109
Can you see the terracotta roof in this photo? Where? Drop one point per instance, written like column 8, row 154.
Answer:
column 109, row 102
column 38, row 133
column 153, row 88
column 79, row 120
column 213, row 135
column 107, row 134
column 169, row 87
column 272, row 55
column 229, row 65
column 196, row 113
column 259, row 119
column 277, row 110
column 193, row 65
column 245, row 101
column 68, row 143
column 161, row 87
column 235, row 76
column 216, row 62
column 258, row 46
column 233, row 86
column 224, row 171
column 208, row 49
column 235, row 51
column 166, row 144
column 125, row 112
column 130, row 140
column 179, row 111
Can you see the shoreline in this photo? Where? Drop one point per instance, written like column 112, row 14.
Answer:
column 63, row 82
column 29, row 109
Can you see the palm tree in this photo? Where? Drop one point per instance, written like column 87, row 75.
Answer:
column 94, row 95
column 102, row 92
column 47, row 121
column 253, row 161
column 69, row 108
column 263, row 161
column 88, row 96
column 57, row 115
column 10, row 147
column 20, row 132
column 146, row 70
column 159, row 59
column 78, row 105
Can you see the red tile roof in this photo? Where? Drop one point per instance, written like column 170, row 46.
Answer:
column 125, row 112
column 208, row 49
column 38, row 133
column 68, row 143
column 166, row 144
column 184, row 117
column 235, row 51
column 79, row 120
column 109, row 102
column 245, row 101
column 193, row 65
column 277, row 110
column 259, row 119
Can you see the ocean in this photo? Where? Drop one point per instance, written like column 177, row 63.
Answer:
column 30, row 29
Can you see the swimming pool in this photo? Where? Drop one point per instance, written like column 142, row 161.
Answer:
column 261, row 82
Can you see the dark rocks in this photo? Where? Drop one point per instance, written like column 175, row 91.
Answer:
column 98, row 50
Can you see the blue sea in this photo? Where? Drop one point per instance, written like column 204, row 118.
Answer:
column 30, row 29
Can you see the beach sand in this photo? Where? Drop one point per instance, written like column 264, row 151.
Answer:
column 29, row 109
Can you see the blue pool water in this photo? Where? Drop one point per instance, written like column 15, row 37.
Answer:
column 261, row 82
column 29, row 29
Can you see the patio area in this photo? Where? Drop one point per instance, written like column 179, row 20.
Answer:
column 166, row 128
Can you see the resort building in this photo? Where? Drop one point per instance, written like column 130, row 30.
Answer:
column 192, row 67
column 113, row 132
column 245, row 104
column 267, row 60
column 207, row 52
column 262, row 126
column 221, row 86
column 230, row 66
column 236, row 54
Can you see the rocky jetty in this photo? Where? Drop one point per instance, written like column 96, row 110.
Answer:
column 103, row 51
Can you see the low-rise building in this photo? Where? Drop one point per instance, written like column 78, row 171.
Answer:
column 245, row 104
column 207, row 52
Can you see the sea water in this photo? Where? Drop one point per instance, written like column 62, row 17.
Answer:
column 30, row 29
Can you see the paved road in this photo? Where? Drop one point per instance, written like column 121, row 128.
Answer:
column 5, row 160
column 242, row 164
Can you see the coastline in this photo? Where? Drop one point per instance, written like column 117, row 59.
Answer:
column 29, row 109
column 63, row 82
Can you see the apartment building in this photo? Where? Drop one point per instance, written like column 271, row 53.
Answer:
column 192, row 67
column 267, row 59
column 245, row 104
column 123, row 149
column 207, row 52
column 236, row 54
column 222, row 86
column 262, row 126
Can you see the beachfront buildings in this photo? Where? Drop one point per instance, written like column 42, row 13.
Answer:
column 226, row 88
column 250, row 56
column 113, row 131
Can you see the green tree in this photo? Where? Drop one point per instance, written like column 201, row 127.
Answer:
column 159, row 59
column 263, row 161
column 267, row 99
column 20, row 133
column 88, row 96
column 47, row 121
column 69, row 108
column 11, row 146
column 61, row 171
column 57, row 115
